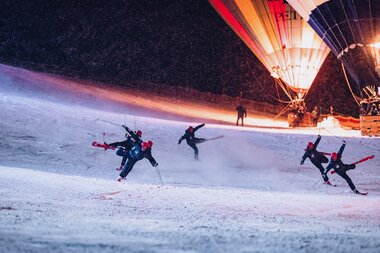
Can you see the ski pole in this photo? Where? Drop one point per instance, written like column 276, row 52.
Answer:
column 159, row 175
column 331, row 133
column 109, row 122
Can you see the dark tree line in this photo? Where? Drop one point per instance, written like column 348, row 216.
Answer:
column 177, row 43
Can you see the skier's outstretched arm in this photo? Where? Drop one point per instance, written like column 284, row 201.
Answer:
column 340, row 152
column 133, row 135
column 317, row 141
column 181, row 139
column 304, row 157
column 197, row 127
column 151, row 159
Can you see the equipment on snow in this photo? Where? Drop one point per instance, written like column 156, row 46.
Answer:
column 211, row 139
column 361, row 193
column 328, row 183
column 159, row 174
column 365, row 159
column 102, row 145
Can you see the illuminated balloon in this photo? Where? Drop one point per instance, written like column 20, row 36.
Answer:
column 287, row 46
column 351, row 29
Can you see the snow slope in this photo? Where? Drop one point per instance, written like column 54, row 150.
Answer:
column 247, row 194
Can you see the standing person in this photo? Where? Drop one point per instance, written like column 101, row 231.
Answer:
column 137, row 153
column 331, row 110
column 340, row 168
column 241, row 114
column 126, row 145
column 316, row 158
column 315, row 115
column 191, row 140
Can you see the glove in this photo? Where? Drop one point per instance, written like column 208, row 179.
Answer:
column 179, row 142
column 155, row 165
column 301, row 162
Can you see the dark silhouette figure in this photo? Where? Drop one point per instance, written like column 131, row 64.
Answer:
column 316, row 158
column 191, row 140
column 126, row 145
column 241, row 114
column 137, row 153
column 341, row 168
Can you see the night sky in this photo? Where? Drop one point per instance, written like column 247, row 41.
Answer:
column 167, row 42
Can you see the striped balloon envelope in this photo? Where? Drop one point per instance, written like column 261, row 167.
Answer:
column 351, row 29
column 279, row 37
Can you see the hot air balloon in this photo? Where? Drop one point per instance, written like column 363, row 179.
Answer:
column 351, row 29
column 287, row 46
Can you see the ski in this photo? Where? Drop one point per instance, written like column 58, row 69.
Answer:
column 361, row 193
column 330, row 184
column 211, row 139
column 102, row 145
column 365, row 159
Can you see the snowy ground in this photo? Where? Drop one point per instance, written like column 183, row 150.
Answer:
column 247, row 194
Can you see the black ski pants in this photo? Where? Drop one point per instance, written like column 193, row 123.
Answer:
column 194, row 147
column 322, row 170
column 343, row 174
column 124, row 153
column 127, row 167
column 242, row 120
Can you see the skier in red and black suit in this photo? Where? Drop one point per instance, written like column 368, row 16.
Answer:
column 132, row 138
column 340, row 168
column 316, row 158
column 191, row 140
column 138, row 152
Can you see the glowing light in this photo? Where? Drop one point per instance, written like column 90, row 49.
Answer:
column 284, row 42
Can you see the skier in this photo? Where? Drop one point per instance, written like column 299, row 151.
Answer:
column 241, row 114
column 126, row 145
column 316, row 158
column 138, row 152
column 191, row 140
column 340, row 168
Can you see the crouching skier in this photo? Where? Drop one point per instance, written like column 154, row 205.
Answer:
column 126, row 145
column 191, row 140
column 340, row 168
column 138, row 152
column 316, row 158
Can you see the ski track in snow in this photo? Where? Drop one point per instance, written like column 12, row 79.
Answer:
column 247, row 194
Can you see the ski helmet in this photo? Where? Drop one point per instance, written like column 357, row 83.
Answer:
column 150, row 143
column 310, row 145
column 191, row 129
column 139, row 133
column 145, row 145
column 334, row 156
